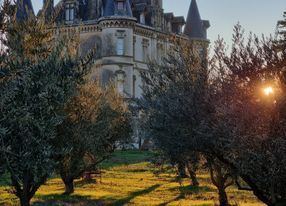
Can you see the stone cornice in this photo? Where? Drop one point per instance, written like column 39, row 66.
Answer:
column 117, row 22
column 151, row 32
column 120, row 22
column 82, row 28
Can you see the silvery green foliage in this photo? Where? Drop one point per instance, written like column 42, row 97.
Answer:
column 33, row 96
column 248, row 131
column 176, row 102
column 281, row 32
column 96, row 120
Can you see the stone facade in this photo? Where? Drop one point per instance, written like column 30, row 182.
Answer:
column 126, row 34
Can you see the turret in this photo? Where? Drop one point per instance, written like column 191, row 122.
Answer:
column 195, row 27
column 24, row 10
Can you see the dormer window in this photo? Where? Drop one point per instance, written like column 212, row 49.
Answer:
column 142, row 18
column 120, row 5
column 69, row 12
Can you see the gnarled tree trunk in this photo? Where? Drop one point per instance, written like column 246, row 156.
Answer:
column 24, row 200
column 192, row 165
column 69, row 185
column 193, row 175
column 223, row 200
column 27, row 190
column 221, row 178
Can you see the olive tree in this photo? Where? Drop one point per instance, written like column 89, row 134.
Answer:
column 247, row 132
column 96, row 119
column 176, row 103
column 38, row 76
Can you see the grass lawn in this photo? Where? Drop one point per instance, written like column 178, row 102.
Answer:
column 129, row 179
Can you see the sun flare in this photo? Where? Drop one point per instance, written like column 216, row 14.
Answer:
column 268, row 90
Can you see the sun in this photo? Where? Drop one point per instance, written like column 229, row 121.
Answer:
column 268, row 90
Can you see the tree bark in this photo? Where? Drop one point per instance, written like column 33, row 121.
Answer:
column 223, row 200
column 182, row 170
column 24, row 192
column 193, row 176
column 24, row 200
column 69, row 185
column 219, row 181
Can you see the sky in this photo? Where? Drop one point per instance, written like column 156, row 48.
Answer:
column 257, row 16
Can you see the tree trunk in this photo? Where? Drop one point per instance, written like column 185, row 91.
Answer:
column 193, row 175
column 182, row 170
column 69, row 186
column 223, row 201
column 219, row 181
column 24, row 200
column 24, row 192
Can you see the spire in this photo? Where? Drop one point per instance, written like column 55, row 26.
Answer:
column 117, row 8
column 195, row 27
column 24, row 9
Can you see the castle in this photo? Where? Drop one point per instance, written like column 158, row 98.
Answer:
column 125, row 33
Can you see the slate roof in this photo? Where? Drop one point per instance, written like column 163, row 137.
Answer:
column 110, row 10
column 24, row 9
column 140, row 7
column 194, row 25
column 179, row 19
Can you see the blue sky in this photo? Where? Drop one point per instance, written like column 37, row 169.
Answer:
column 258, row 16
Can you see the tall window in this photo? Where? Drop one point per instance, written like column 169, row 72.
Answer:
column 120, row 46
column 69, row 12
column 145, row 45
column 134, row 86
column 159, row 52
column 120, row 75
column 142, row 18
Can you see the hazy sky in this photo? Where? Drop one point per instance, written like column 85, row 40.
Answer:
column 258, row 16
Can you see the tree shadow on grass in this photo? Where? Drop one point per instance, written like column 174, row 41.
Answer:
column 190, row 189
column 133, row 195
column 123, row 158
column 187, row 190
column 66, row 200
column 179, row 197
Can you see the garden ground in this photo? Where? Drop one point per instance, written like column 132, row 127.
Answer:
column 128, row 178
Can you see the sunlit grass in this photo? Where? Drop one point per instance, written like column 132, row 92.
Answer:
column 133, row 181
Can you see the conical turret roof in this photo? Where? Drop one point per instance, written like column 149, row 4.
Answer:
column 24, row 9
column 194, row 26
